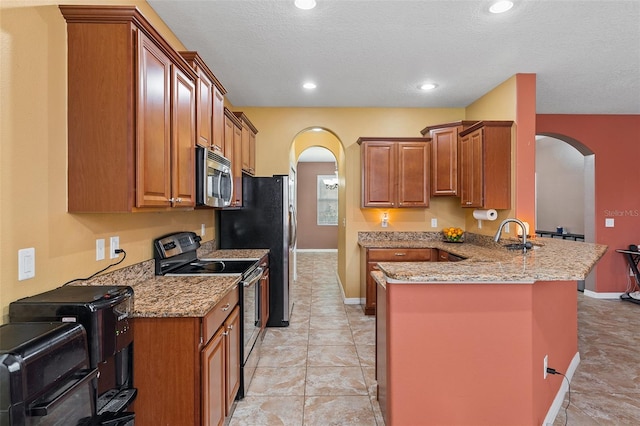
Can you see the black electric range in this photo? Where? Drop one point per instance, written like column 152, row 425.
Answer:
column 175, row 255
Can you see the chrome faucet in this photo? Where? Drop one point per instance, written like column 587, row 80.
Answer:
column 524, row 231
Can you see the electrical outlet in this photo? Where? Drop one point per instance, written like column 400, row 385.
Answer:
column 506, row 228
column 99, row 249
column 546, row 364
column 26, row 263
column 202, row 230
column 434, row 223
column 114, row 244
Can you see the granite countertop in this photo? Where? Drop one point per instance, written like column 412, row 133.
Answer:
column 486, row 261
column 185, row 296
column 180, row 296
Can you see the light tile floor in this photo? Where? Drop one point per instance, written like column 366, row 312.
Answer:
column 320, row 370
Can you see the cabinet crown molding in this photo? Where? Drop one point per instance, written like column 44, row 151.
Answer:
column 194, row 59
column 463, row 123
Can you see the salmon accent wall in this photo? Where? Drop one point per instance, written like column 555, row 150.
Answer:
column 480, row 347
column 615, row 141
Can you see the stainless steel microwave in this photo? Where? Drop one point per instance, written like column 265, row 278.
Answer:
column 214, row 180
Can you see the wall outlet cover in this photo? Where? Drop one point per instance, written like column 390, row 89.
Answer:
column 609, row 222
column 114, row 244
column 434, row 223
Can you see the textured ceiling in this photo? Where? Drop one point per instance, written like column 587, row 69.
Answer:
column 586, row 53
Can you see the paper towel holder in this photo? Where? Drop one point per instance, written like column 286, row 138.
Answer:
column 487, row 214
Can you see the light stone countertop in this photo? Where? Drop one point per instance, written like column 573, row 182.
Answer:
column 185, row 296
column 486, row 261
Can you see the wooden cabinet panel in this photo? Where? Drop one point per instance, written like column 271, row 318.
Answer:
column 444, row 156
column 485, row 165
column 217, row 115
column 370, row 258
column 233, row 145
column 183, row 137
column 213, row 380
column 413, row 174
column 129, row 122
column 248, row 153
column 232, row 358
column 204, row 109
column 379, row 171
column 395, row 172
column 154, row 126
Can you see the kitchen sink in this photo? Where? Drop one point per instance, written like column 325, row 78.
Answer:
column 520, row 246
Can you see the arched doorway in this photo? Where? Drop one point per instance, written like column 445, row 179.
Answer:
column 565, row 188
column 324, row 138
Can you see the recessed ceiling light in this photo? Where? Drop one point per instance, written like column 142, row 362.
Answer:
column 428, row 86
column 501, row 6
column 309, row 85
column 305, row 4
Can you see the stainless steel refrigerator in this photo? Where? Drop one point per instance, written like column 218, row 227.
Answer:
column 266, row 220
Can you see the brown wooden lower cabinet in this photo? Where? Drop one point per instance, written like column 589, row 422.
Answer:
column 370, row 257
column 187, row 369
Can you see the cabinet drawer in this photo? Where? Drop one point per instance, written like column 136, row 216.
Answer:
column 399, row 255
column 216, row 316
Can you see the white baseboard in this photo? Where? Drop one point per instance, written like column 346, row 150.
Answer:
column 596, row 295
column 316, row 250
column 345, row 300
column 556, row 405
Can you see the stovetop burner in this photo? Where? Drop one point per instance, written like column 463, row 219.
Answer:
column 217, row 267
column 175, row 255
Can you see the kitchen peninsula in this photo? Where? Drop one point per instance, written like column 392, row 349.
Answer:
column 465, row 342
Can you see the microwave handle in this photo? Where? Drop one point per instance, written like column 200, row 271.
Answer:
column 231, row 192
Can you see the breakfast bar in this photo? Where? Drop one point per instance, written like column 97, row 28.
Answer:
column 468, row 342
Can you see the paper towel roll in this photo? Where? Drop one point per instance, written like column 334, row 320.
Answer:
column 490, row 214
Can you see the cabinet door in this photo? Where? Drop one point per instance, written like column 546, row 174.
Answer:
column 153, row 149
column 204, row 109
column 413, row 174
column 218, row 122
column 232, row 360
column 183, row 141
column 379, row 170
column 444, row 161
column 471, row 170
column 252, row 152
column 213, row 380
column 237, row 167
column 246, row 149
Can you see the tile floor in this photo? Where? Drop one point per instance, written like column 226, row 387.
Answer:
column 320, row 369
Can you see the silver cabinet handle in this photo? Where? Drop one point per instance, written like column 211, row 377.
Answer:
column 230, row 327
column 226, row 307
column 400, row 254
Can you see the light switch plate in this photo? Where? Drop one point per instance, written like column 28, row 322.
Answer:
column 114, row 244
column 99, row 249
column 609, row 222
column 203, row 230
column 26, row 263
column 434, row 222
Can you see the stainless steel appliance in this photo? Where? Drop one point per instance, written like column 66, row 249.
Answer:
column 266, row 220
column 175, row 255
column 45, row 377
column 214, row 181
column 104, row 312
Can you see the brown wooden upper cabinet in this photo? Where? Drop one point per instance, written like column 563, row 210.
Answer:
column 444, row 156
column 485, row 165
column 395, row 172
column 249, row 133
column 233, row 146
column 131, row 114
column 209, row 105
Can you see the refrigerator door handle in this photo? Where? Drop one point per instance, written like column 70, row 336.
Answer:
column 293, row 228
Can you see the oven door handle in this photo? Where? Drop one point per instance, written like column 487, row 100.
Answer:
column 254, row 277
column 42, row 408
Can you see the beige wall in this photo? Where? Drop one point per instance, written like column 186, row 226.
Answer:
column 33, row 140
column 33, row 161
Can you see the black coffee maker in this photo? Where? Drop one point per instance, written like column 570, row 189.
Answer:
column 104, row 313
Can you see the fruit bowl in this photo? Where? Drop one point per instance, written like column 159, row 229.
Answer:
column 453, row 235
